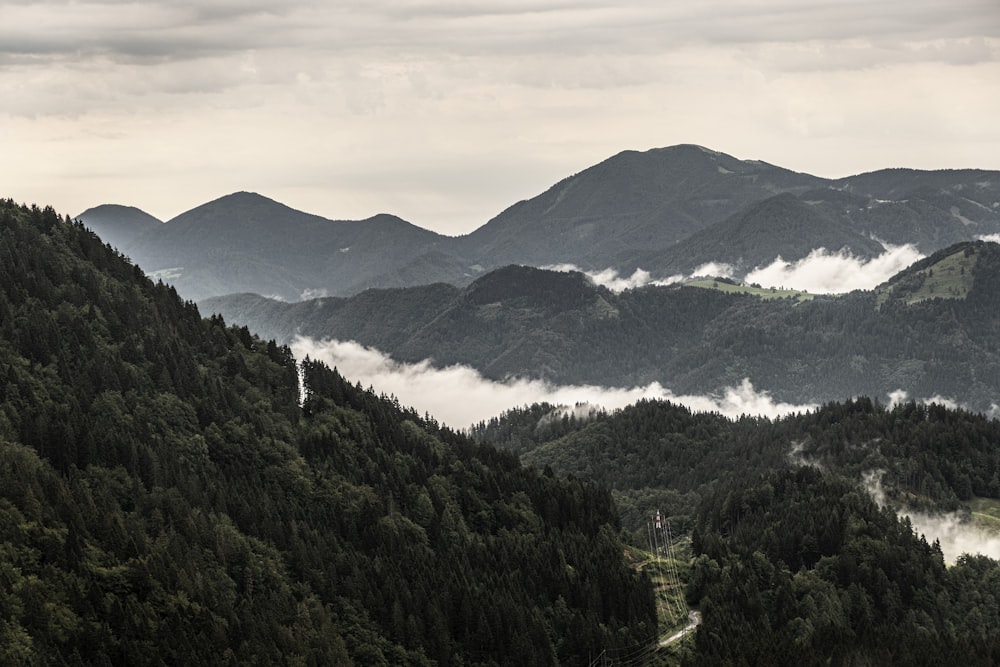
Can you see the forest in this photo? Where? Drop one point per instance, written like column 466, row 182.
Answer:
column 167, row 496
column 794, row 562
column 177, row 490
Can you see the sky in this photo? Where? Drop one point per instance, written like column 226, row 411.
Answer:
column 445, row 113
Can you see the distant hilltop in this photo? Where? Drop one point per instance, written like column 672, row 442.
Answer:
column 666, row 211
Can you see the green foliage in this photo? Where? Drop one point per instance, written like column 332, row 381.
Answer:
column 794, row 565
column 945, row 275
column 164, row 498
column 762, row 292
column 655, row 454
column 801, row 568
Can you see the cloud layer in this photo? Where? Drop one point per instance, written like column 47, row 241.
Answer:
column 445, row 113
column 821, row 272
column 459, row 396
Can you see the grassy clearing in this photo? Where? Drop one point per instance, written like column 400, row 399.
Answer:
column 671, row 605
column 950, row 278
column 762, row 292
column 986, row 513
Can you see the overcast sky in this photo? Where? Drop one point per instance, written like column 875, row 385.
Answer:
column 445, row 113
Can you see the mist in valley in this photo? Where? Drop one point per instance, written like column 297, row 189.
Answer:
column 820, row 272
column 460, row 396
column 955, row 531
column 824, row 272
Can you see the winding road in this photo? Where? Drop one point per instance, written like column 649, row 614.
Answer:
column 694, row 619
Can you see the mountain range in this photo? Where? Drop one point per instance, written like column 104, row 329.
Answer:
column 930, row 331
column 666, row 211
column 176, row 490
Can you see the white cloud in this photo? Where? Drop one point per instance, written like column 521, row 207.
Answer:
column 820, row 272
column 611, row 279
column 900, row 396
column 956, row 535
column 581, row 412
column 459, row 396
column 713, row 270
column 445, row 113
column 823, row 272
column 993, row 238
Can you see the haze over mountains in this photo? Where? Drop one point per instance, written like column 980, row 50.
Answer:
column 666, row 211
column 930, row 331
column 180, row 490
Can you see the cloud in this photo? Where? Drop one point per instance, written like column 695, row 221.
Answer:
column 611, row 279
column 900, row 396
column 823, row 272
column 797, row 458
column 993, row 238
column 185, row 29
column 459, row 396
column 956, row 534
column 444, row 113
column 581, row 412
column 608, row 277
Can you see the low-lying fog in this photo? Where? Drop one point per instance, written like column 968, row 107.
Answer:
column 459, row 396
column 956, row 535
column 821, row 272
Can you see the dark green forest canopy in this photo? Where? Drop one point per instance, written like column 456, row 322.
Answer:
column 165, row 498
column 800, row 567
column 659, row 454
column 795, row 563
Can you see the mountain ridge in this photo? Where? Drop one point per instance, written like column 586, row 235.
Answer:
column 662, row 210
column 533, row 323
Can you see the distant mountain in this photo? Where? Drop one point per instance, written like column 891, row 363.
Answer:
column 121, row 225
column 634, row 201
column 665, row 210
column 781, row 226
column 930, row 331
column 247, row 242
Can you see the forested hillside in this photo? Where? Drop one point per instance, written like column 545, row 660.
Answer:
column 795, row 563
column 802, row 568
column 166, row 499
column 658, row 454
column 930, row 331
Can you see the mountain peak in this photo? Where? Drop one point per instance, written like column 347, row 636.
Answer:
column 538, row 285
column 117, row 224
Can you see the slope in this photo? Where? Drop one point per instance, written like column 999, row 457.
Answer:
column 560, row 328
column 247, row 242
column 119, row 225
column 633, row 210
column 782, row 226
column 165, row 499
column 795, row 561
column 632, row 201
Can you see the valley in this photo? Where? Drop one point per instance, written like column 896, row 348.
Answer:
column 179, row 487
